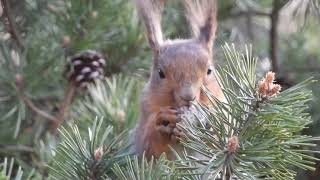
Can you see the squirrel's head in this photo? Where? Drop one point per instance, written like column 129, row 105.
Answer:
column 181, row 67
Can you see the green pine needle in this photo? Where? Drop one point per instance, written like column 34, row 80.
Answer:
column 77, row 157
column 268, row 130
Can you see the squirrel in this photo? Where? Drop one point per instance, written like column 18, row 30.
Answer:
column 180, row 68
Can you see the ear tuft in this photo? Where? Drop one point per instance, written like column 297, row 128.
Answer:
column 150, row 11
column 202, row 16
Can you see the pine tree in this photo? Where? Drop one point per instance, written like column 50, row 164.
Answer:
column 255, row 134
column 38, row 37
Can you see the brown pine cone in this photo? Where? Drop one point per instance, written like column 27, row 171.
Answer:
column 85, row 67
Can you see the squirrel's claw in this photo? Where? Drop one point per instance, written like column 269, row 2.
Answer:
column 166, row 123
column 177, row 134
column 168, row 117
column 177, row 131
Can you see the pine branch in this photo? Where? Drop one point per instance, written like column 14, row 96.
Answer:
column 12, row 25
column 256, row 132
column 7, row 170
column 140, row 168
column 88, row 157
column 115, row 98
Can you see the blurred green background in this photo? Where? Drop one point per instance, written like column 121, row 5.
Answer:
column 37, row 36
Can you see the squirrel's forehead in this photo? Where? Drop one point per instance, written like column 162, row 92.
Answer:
column 184, row 56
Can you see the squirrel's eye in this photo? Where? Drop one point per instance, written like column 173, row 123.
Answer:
column 161, row 74
column 209, row 71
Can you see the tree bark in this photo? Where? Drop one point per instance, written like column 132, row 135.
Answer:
column 276, row 6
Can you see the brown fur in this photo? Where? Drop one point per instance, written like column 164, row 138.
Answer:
column 185, row 64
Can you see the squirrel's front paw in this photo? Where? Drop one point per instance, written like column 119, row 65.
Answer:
column 167, row 120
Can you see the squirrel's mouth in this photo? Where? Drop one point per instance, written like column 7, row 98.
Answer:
column 184, row 104
column 179, row 102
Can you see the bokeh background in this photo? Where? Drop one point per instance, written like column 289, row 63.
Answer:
column 38, row 36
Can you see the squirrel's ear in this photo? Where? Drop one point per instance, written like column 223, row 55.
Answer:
column 202, row 16
column 150, row 11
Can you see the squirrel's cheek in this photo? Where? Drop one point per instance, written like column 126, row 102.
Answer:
column 204, row 100
column 205, row 81
column 208, row 79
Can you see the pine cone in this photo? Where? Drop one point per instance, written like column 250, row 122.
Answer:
column 85, row 67
column 193, row 115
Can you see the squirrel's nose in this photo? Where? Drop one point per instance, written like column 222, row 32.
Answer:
column 188, row 97
column 187, row 94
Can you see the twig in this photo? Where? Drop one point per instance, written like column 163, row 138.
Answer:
column 15, row 147
column 250, row 13
column 28, row 101
column 303, row 69
column 12, row 26
column 249, row 25
column 68, row 97
column 247, row 121
column 34, row 108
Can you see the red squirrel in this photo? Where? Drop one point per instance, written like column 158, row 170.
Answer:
column 180, row 68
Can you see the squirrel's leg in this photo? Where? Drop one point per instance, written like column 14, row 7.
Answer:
column 166, row 123
column 163, row 131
